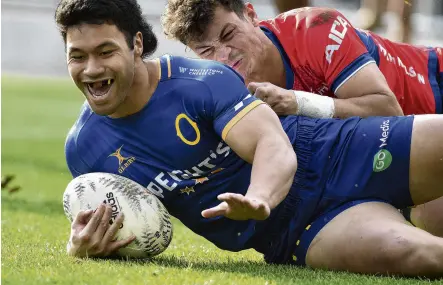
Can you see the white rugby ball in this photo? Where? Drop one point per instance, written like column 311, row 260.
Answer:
column 144, row 214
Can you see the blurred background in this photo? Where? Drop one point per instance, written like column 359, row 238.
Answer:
column 31, row 44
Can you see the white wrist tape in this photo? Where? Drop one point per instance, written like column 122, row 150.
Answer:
column 313, row 105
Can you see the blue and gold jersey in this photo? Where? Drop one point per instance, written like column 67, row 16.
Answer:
column 175, row 145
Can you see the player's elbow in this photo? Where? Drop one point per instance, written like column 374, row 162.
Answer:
column 293, row 161
column 290, row 165
column 290, row 161
column 284, row 156
column 390, row 105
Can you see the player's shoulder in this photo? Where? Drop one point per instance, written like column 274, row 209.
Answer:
column 82, row 126
column 198, row 70
column 302, row 19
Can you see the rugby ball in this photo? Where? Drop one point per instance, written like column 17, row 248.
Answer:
column 144, row 215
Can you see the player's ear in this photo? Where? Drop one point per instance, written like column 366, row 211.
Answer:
column 250, row 14
column 138, row 44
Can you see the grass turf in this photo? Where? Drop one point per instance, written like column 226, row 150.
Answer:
column 36, row 116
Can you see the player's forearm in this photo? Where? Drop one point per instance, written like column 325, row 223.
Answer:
column 368, row 105
column 317, row 106
column 273, row 170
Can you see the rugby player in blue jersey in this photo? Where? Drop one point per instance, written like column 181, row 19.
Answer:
column 321, row 192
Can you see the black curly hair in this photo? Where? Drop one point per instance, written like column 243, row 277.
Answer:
column 125, row 14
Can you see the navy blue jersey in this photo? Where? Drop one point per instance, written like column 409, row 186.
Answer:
column 174, row 146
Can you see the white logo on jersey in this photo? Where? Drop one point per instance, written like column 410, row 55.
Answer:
column 239, row 105
column 182, row 69
column 411, row 71
column 336, row 36
column 384, row 136
column 204, row 71
column 202, row 169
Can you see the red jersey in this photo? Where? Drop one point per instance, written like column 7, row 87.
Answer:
column 324, row 51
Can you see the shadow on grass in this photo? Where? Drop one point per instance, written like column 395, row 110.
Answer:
column 277, row 273
column 11, row 203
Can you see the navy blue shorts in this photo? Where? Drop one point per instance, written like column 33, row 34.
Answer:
column 350, row 162
column 372, row 165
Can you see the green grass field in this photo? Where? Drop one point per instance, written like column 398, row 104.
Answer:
column 36, row 116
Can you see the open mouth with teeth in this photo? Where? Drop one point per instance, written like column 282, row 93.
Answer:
column 100, row 88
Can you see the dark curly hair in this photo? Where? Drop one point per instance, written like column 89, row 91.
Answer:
column 187, row 20
column 125, row 14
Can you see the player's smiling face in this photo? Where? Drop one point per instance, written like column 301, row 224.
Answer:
column 101, row 64
column 233, row 40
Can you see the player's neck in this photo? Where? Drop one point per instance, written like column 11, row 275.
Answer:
column 278, row 74
column 274, row 72
column 143, row 87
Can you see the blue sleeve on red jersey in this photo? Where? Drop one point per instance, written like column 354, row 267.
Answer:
column 351, row 69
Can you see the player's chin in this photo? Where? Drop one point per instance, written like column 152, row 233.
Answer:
column 102, row 110
column 102, row 107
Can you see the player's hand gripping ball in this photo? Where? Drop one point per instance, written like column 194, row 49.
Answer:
column 145, row 217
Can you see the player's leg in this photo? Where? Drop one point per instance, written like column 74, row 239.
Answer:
column 375, row 238
column 426, row 159
column 426, row 179
column 429, row 217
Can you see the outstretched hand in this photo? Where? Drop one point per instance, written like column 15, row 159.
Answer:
column 239, row 207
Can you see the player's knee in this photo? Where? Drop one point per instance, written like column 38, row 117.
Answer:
column 427, row 259
column 394, row 250
column 409, row 255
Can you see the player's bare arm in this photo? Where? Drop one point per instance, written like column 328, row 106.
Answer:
column 366, row 94
column 355, row 98
column 259, row 139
